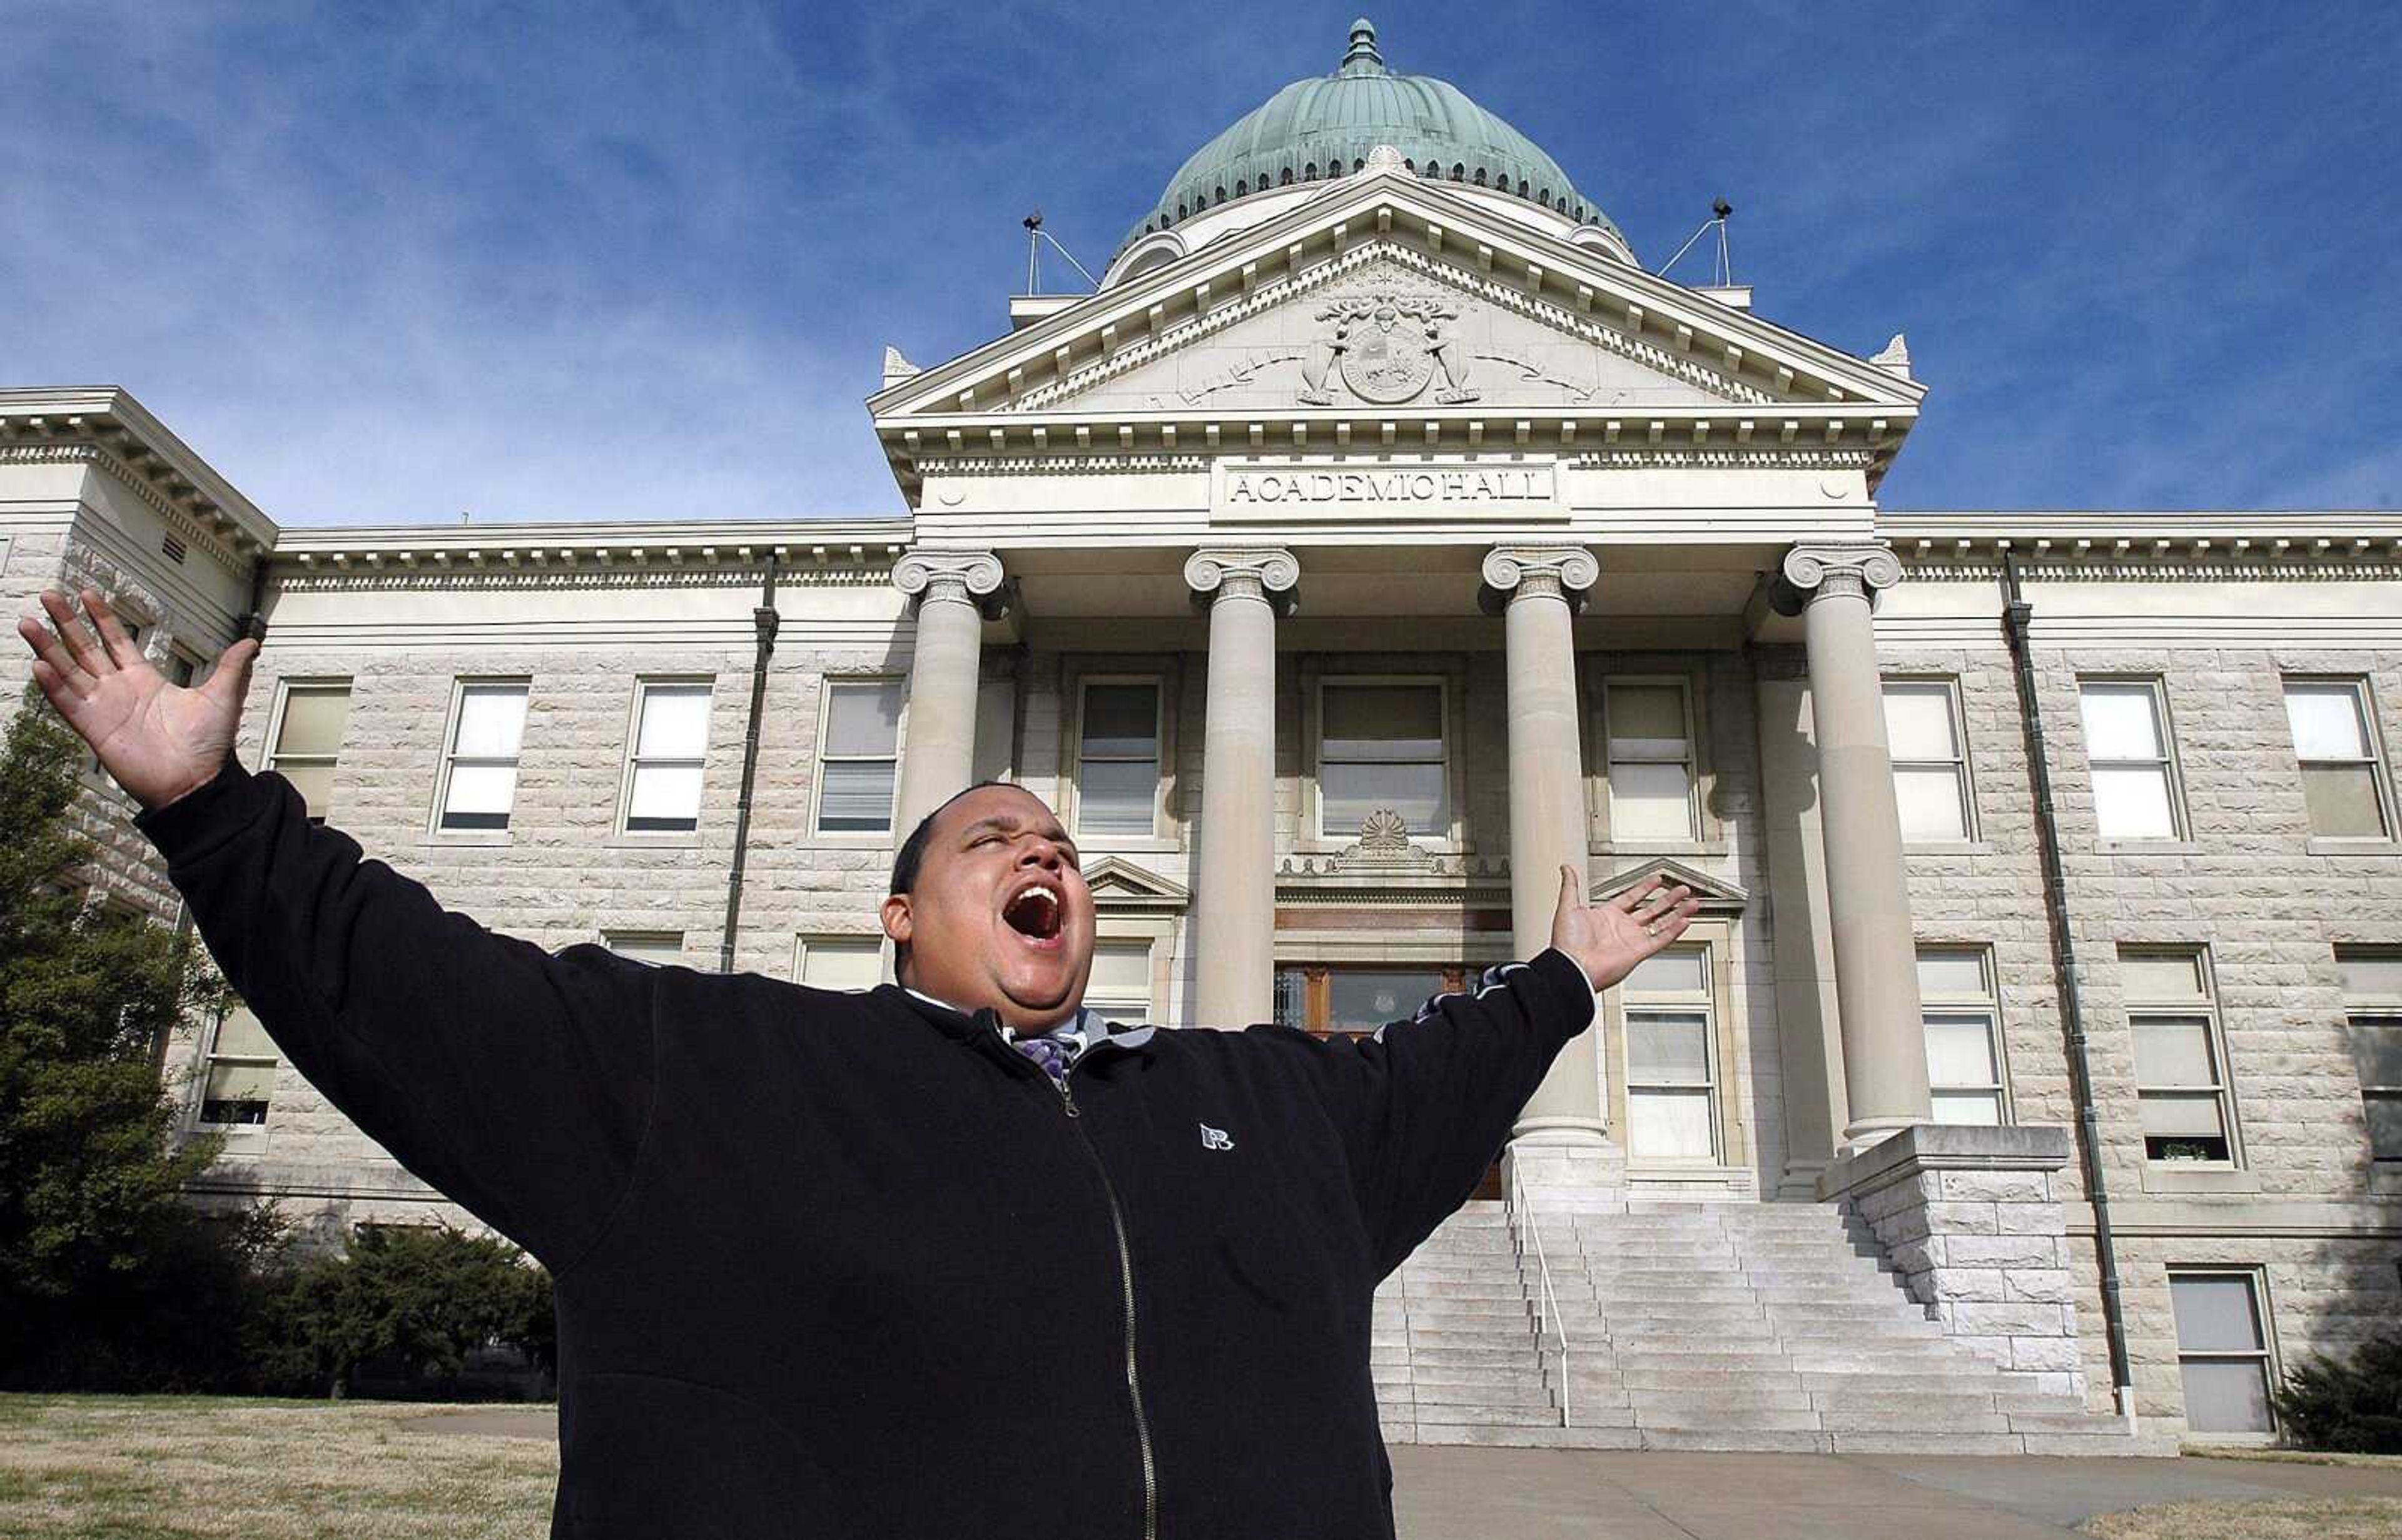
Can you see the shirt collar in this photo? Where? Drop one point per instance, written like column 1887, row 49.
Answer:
column 1084, row 1030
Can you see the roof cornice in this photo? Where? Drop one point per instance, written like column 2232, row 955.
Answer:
column 696, row 545
column 124, row 438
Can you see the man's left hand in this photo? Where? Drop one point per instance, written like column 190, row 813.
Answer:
column 1606, row 942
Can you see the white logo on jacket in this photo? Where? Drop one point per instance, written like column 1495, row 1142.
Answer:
column 1216, row 1138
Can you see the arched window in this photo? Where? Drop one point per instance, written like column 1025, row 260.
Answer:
column 1480, row 176
column 1221, row 196
column 1521, row 186
column 1544, row 197
column 1179, row 211
column 1457, row 170
column 1358, row 164
column 1310, row 173
column 1241, row 187
column 1409, row 165
column 1284, row 178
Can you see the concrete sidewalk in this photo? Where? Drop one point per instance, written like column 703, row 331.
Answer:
column 1461, row 1493
column 1456, row 1492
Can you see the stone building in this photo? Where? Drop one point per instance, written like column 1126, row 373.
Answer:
column 1379, row 537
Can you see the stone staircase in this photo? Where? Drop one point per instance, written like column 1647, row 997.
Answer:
column 1715, row 1325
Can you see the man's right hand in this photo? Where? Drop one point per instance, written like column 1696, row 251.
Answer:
column 160, row 740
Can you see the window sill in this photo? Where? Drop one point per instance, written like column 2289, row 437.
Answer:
column 856, row 839
column 1947, row 847
column 630, row 839
column 2147, row 848
column 470, row 838
column 2317, row 845
column 2198, row 1178
column 1117, row 844
column 1658, row 847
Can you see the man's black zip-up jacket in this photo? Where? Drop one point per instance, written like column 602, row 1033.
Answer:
column 848, row 1265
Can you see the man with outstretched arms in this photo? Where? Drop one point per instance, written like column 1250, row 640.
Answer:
column 947, row 1259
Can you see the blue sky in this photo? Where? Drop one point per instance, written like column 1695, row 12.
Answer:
column 393, row 261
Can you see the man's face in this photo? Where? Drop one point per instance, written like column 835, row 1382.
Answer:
column 999, row 914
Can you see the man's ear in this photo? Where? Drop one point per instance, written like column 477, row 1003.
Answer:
column 897, row 920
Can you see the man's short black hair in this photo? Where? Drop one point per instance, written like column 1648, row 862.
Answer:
column 912, row 855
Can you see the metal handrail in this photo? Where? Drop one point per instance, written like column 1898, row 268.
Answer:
column 1548, row 1299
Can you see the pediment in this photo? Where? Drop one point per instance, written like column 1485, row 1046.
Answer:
column 1388, row 293
column 1387, row 333
column 1118, row 884
column 1716, row 895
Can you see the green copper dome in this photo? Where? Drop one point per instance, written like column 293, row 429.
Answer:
column 1324, row 127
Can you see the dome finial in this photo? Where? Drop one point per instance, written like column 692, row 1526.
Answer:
column 1362, row 58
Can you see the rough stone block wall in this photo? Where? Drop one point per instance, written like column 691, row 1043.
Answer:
column 1986, row 1252
column 2302, row 1200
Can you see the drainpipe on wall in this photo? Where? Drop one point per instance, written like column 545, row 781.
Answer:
column 2016, row 615
column 764, row 620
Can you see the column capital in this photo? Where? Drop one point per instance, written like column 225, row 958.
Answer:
column 1848, row 568
column 1265, row 572
column 963, row 577
column 1513, row 572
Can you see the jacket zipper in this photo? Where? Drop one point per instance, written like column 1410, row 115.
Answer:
column 1125, row 1285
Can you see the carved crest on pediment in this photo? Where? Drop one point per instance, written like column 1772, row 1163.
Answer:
column 1387, row 346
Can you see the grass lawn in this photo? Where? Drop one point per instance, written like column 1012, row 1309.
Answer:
column 108, row 1468
column 2283, row 1519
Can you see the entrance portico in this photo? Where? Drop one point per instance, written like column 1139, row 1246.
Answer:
column 1439, row 532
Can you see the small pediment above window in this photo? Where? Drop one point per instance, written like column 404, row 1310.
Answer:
column 1718, row 897
column 1120, row 884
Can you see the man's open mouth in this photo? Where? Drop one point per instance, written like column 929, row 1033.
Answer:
column 1035, row 912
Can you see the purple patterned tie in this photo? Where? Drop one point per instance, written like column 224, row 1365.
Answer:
column 1049, row 1052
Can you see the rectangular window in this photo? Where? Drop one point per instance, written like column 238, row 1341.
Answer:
column 241, row 1073
column 1119, row 989
column 851, row 963
column 480, row 777
column 668, row 750
column 1117, row 759
column 308, row 740
column 2372, row 1003
column 2343, row 780
column 859, row 755
column 660, row 948
column 1380, row 747
column 1646, row 727
column 2222, row 1352
column 1671, row 1078
column 1930, row 759
column 2180, row 1062
column 2134, row 773
column 1963, row 1049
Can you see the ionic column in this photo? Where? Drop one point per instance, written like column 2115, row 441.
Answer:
column 1234, row 904
column 1536, row 587
column 1868, row 886
column 955, row 591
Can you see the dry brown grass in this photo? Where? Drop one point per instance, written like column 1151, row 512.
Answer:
column 2279, row 1519
column 88, row 1467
